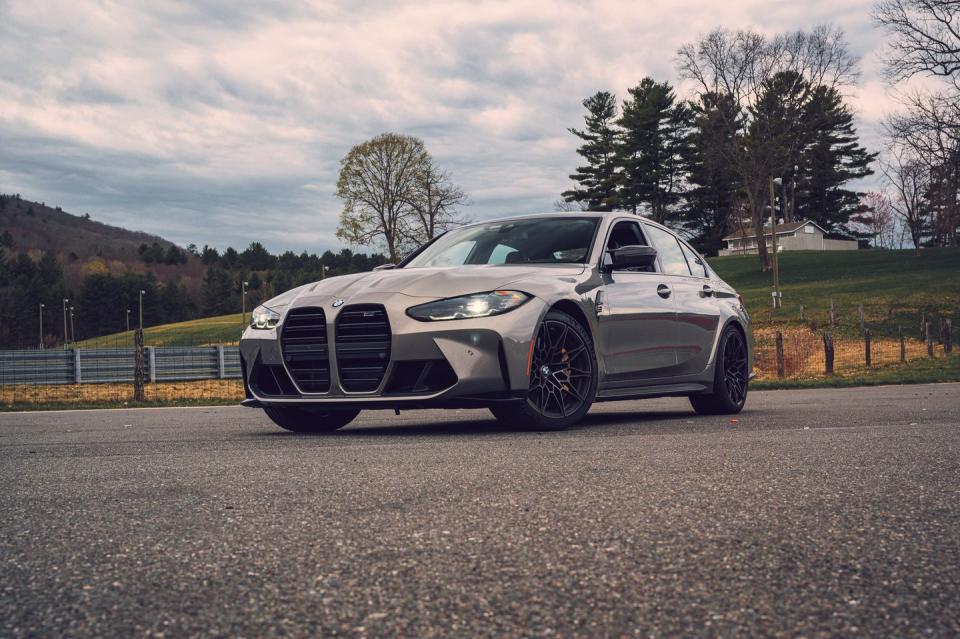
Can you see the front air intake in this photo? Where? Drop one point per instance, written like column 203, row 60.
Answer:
column 363, row 347
column 303, row 341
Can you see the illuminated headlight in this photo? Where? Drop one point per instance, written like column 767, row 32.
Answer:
column 264, row 318
column 469, row 306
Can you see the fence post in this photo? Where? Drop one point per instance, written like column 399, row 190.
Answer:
column 860, row 315
column 801, row 312
column 832, row 315
column 780, row 364
column 151, row 363
column 138, row 365
column 947, row 336
column 903, row 345
column 221, row 368
column 929, row 340
column 866, row 346
column 77, row 373
column 828, row 352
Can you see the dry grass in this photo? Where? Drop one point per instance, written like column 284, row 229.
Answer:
column 167, row 392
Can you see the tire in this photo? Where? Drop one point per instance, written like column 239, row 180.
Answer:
column 562, row 386
column 730, row 378
column 304, row 420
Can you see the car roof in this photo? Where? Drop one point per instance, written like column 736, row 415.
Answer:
column 562, row 214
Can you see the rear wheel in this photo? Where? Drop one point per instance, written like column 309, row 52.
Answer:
column 730, row 378
column 563, row 377
column 305, row 420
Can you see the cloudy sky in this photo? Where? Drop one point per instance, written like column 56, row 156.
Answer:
column 222, row 122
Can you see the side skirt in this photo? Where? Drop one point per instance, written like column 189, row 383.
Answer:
column 642, row 392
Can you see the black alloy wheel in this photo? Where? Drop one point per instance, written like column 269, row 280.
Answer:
column 563, row 377
column 731, row 378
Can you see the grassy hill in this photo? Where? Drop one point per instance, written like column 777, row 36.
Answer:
column 893, row 286
column 223, row 329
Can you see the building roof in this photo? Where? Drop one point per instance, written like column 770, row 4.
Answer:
column 787, row 227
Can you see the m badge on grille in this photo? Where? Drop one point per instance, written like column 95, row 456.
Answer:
column 337, row 303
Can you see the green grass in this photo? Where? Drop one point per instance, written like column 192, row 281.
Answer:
column 923, row 371
column 223, row 329
column 893, row 286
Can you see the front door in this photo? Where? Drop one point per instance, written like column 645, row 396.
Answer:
column 637, row 318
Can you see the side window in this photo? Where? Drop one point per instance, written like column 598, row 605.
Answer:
column 627, row 233
column 669, row 252
column 697, row 265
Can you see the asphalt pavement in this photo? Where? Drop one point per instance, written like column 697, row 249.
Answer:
column 814, row 513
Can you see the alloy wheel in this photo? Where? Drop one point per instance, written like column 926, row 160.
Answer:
column 735, row 368
column 561, row 370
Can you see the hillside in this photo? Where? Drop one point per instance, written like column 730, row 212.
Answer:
column 85, row 246
column 893, row 286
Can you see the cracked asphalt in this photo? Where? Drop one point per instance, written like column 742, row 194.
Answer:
column 815, row 513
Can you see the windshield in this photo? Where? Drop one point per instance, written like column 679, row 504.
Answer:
column 552, row 240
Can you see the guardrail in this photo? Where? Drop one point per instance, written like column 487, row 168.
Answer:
column 116, row 365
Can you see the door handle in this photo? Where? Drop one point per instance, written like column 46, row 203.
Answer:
column 663, row 291
column 707, row 291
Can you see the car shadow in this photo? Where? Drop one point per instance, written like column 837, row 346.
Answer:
column 594, row 423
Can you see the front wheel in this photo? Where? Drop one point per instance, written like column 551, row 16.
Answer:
column 563, row 377
column 305, row 420
column 730, row 378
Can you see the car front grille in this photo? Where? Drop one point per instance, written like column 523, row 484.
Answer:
column 303, row 340
column 362, row 346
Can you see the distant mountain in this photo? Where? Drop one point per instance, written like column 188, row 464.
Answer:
column 85, row 246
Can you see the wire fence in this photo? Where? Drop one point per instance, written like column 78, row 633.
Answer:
column 124, row 370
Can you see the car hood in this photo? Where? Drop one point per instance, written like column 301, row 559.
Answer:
column 430, row 283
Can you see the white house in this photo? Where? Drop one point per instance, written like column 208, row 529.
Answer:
column 791, row 236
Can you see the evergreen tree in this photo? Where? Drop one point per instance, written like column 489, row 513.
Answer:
column 598, row 179
column 831, row 159
column 714, row 183
column 218, row 292
column 652, row 148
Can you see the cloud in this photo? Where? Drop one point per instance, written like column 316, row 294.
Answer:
column 222, row 123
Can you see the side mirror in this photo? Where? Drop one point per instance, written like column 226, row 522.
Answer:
column 627, row 257
column 384, row 267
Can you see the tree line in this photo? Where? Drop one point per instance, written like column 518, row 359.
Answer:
column 768, row 112
column 35, row 291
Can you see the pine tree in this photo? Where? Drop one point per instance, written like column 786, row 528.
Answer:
column 714, row 182
column 598, row 179
column 652, row 148
column 832, row 158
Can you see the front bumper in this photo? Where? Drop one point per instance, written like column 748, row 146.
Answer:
column 488, row 356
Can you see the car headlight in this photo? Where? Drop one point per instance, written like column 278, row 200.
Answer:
column 469, row 306
column 264, row 318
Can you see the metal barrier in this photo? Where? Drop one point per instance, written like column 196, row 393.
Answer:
column 116, row 365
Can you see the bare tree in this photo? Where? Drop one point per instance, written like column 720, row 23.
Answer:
column 740, row 65
column 926, row 38
column 433, row 204
column 571, row 207
column 910, row 180
column 377, row 181
column 877, row 218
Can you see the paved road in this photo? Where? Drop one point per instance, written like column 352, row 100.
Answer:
column 818, row 513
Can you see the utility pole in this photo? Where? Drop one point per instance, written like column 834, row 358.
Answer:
column 128, row 320
column 73, row 335
column 66, row 338
column 141, row 308
column 323, row 271
column 793, row 194
column 41, row 326
column 777, row 302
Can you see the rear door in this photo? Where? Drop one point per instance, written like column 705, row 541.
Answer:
column 637, row 317
column 698, row 314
